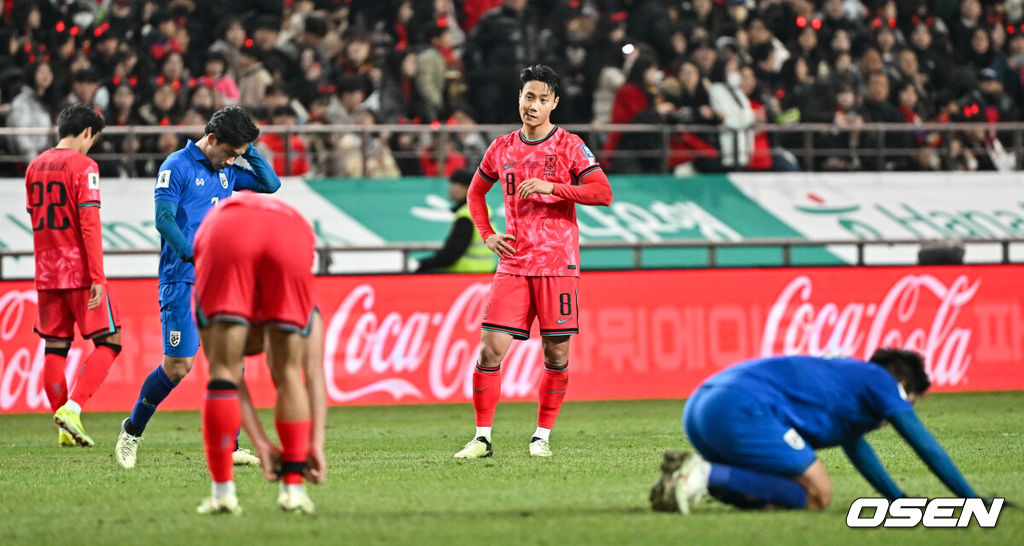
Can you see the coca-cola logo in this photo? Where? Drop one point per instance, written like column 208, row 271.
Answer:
column 918, row 312
column 22, row 353
column 369, row 351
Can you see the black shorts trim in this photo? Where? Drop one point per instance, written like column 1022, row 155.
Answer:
column 52, row 338
column 102, row 332
column 559, row 331
column 228, row 317
column 516, row 333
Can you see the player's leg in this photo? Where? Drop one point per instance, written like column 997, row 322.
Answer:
column 55, row 384
column 56, row 325
column 223, row 344
column 557, row 302
column 752, row 459
column 181, row 342
column 103, row 326
column 508, row 316
column 292, row 417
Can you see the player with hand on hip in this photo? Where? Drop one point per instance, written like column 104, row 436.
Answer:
column 63, row 189
column 190, row 182
column 543, row 172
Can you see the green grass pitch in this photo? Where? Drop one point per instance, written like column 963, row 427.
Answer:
column 392, row 480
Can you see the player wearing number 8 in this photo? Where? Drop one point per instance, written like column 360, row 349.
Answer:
column 543, row 172
column 63, row 188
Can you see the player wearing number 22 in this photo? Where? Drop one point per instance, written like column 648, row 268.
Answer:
column 63, row 188
column 543, row 171
column 190, row 182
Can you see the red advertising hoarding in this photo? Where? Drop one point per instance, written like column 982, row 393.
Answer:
column 644, row 334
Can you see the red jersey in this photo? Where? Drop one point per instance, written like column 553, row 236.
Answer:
column 547, row 237
column 60, row 184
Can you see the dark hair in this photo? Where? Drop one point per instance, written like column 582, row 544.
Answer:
column 233, row 125
column 636, row 72
column 74, row 119
column 90, row 75
column 543, row 74
column 315, row 25
column 462, row 176
column 906, row 366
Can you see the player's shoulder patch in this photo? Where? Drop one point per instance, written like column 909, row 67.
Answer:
column 163, row 180
column 903, row 392
column 588, row 154
column 94, row 181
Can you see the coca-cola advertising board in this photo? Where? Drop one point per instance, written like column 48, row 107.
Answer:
column 643, row 334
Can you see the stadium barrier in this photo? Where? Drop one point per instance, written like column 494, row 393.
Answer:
column 643, row 334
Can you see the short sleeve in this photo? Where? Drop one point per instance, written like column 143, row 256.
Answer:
column 581, row 160
column 169, row 183
column 88, row 185
column 886, row 395
column 488, row 169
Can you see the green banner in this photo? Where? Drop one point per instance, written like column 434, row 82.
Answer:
column 645, row 209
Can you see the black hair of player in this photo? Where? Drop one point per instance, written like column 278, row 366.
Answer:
column 74, row 119
column 543, row 74
column 233, row 125
column 906, row 366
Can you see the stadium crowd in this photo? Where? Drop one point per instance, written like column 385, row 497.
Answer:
column 726, row 65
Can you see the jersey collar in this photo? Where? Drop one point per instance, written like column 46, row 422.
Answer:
column 195, row 153
column 529, row 142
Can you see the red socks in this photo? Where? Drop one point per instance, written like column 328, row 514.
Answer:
column 54, row 382
column 294, row 436
column 552, row 389
column 486, row 392
column 222, row 415
column 94, row 371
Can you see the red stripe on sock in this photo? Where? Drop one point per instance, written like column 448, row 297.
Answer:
column 94, row 371
column 553, row 386
column 486, row 392
column 222, row 415
column 294, row 436
column 54, row 382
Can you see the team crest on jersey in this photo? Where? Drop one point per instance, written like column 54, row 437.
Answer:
column 163, row 180
column 550, row 162
column 223, row 181
column 94, row 181
column 174, row 338
column 589, row 155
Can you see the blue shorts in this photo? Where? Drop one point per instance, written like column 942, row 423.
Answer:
column 181, row 339
column 728, row 425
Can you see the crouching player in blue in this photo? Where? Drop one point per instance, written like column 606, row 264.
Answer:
column 190, row 182
column 756, row 426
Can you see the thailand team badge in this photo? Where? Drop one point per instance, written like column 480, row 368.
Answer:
column 223, row 181
column 174, row 338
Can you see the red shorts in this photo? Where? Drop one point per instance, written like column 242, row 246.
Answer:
column 515, row 301
column 60, row 310
column 255, row 266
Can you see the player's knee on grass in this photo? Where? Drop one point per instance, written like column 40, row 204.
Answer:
column 177, row 368
column 816, row 482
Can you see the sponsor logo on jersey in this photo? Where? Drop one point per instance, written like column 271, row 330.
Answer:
column 510, row 165
column 174, row 338
column 163, row 180
column 223, row 180
column 94, row 181
column 200, row 181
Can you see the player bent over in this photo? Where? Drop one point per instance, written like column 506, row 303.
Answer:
column 756, row 426
column 543, row 171
column 63, row 187
column 260, row 274
column 191, row 181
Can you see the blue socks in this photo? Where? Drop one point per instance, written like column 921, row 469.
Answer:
column 155, row 388
column 750, row 489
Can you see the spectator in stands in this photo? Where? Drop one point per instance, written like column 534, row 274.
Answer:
column 841, row 145
column 253, row 78
column 878, row 109
column 432, row 72
column 230, row 41
column 122, row 113
column 289, row 159
column 502, row 42
column 399, row 97
column 636, row 101
column 306, row 43
column 162, row 38
column 404, row 149
column 441, row 151
column 215, row 77
column 366, row 154
column 34, row 106
column 350, row 96
column 86, row 89
column 163, row 108
column 203, row 97
column 736, row 141
column 963, row 27
column 978, row 54
column 104, row 52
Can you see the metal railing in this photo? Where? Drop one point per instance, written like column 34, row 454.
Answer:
column 786, row 246
column 651, row 148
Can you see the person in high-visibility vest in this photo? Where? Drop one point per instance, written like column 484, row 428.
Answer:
column 463, row 250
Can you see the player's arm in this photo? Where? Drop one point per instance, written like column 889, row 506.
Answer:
column 927, row 447
column 169, row 230
column 476, row 198
column 595, row 191
column 316, row 465
column 866, row 462
column 259, row 177
column 87, row 200
column 454, row 246
column 269, row 454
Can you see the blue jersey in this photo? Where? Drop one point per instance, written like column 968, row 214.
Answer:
column 829, row 401
column 186, row 178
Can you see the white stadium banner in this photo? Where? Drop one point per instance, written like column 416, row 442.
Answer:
column 925, row 206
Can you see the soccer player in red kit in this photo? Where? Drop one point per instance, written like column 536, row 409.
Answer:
column 543, row 171
column 63, row 189
column 260, row 278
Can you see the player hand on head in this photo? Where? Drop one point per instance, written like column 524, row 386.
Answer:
column 499, row 245
column 95, row 295
column 534, row 185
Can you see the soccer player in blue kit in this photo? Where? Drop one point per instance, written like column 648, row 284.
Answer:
column 756, row 426
column 190, row 182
